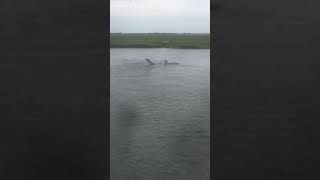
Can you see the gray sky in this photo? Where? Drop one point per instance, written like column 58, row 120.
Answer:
column 171, row 16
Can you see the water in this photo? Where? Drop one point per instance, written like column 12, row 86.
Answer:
column 160, row 115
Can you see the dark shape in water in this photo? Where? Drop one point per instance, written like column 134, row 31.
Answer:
column 149, row 61
column 171, row 63
column 128, row 115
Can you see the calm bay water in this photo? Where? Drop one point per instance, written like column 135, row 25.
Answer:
column 160, row 115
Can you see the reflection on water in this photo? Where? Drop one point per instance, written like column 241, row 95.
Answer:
column 160, row 115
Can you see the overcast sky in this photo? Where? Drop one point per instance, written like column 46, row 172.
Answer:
column 170, row 16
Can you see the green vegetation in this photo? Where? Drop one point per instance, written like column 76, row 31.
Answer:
column 160, row 40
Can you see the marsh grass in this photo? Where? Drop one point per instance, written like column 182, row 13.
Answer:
column 160, row 40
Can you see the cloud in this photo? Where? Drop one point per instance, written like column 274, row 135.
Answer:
column 165, row 15
column 164, row 8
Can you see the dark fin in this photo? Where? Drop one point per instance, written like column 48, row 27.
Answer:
column 151, row 63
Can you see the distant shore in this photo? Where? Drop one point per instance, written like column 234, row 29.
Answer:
column 160, row 40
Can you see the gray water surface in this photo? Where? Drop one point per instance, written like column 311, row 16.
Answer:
column 160, row 115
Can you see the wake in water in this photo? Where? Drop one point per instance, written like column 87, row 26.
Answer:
column 139, row 67
column 165, row 62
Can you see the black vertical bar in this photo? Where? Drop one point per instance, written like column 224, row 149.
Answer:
column 213, row 8
column 53, row 90
column 266, row 118
column 107, row 68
